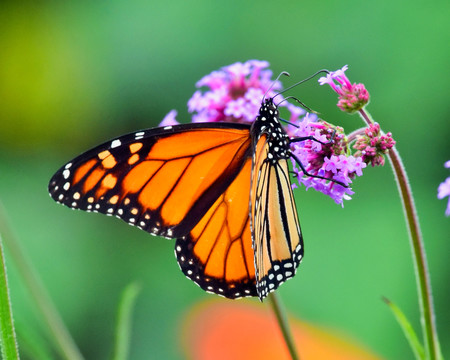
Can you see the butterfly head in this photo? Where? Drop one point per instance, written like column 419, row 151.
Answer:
column 268, row 108
column 268, row 124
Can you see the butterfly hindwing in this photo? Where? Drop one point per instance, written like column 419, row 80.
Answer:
column 162, row 180
column 217, row 253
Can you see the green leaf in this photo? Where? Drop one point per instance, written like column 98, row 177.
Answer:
column 408, row 330
column 123, row 326
column 8, row 342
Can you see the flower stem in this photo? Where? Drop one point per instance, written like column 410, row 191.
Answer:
column 353, row 135
column 60, row 335
column 283, row 322
column 418, row 250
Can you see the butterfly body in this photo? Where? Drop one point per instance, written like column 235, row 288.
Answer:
column 276, row 235
column 222, row 190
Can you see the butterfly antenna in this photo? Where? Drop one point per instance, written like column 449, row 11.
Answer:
column 302, row 104
column 302, row 81
column 273, row 83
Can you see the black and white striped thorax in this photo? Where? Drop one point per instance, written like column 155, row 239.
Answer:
column 268, row 123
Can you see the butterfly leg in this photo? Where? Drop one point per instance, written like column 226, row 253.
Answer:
column 297, row 160
column 312, row 138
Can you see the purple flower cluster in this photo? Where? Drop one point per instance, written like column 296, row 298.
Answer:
column 373, row 145
column 444, row 190
column 234, row 94
column 352, row 97
column 328, row 158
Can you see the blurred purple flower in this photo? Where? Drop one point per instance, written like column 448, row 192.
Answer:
column 169, row 119
column 235, row 93
column 444, row 190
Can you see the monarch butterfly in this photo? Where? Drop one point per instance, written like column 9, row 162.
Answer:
column 222, row 190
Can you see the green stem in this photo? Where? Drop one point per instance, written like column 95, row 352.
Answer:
column 8, row 341
column 123, row 326
column 283, row 322
column 59, row 333
column 418, row 250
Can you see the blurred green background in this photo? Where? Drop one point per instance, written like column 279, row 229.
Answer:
column 74, row 75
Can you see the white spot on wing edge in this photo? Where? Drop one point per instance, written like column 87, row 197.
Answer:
column 115, row 143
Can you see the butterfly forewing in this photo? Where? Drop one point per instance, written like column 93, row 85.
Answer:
column 162, row 180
